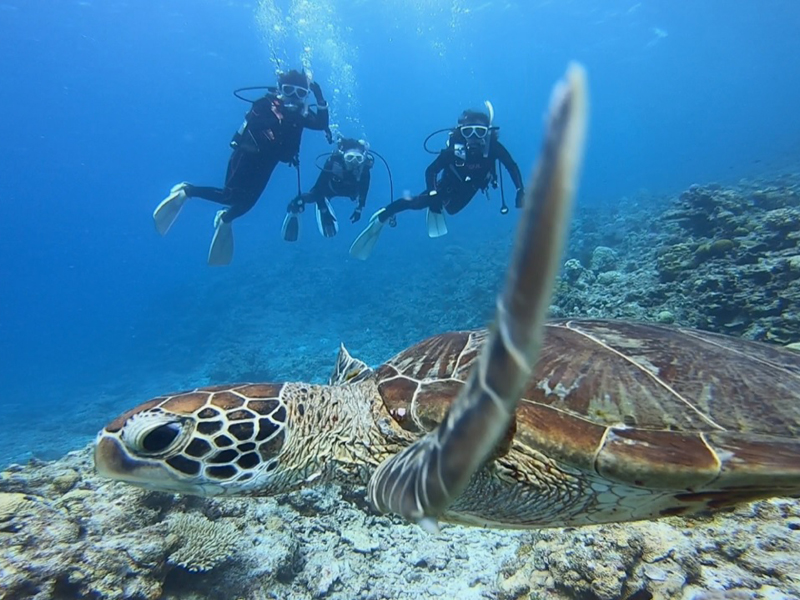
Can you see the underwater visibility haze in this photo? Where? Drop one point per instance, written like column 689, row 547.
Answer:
column 687, row 214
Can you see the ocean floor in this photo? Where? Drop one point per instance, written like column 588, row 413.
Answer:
column 66, row 534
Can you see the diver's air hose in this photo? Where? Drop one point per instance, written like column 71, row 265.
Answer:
column 389, row 172
column 236, row 93
column 427, row 139
column 503, row 206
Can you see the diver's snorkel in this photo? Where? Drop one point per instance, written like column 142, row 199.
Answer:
column 490, row 110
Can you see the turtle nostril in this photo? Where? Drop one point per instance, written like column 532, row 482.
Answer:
column 160, row 438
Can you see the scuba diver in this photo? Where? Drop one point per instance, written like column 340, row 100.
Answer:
column 466, row 165
column 270, row 134
column 346, row 172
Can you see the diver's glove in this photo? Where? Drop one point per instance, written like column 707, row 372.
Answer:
column 317, row 91
column 356, row 216
column 519, row 201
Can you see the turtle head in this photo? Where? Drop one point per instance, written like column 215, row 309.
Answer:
column 207, row 442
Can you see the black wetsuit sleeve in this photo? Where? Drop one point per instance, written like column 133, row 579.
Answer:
column 363, row 188
column 505, row 159
column 438, row 165
column 318, row 119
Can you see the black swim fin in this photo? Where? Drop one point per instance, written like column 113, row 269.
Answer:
column 291, row 227
column 326, row 219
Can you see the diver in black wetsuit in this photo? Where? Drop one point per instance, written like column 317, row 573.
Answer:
column 270, row 134
column 346, row 172
column 466, row 166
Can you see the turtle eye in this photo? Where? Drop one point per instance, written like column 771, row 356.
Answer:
column 160, row 438
column 155, row 432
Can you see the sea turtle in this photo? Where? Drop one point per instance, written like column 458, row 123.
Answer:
column 618, row 421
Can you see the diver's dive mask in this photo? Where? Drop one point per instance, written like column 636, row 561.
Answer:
column 294, row 88
column 475, row 136
column 354, row 158
column 474, row 131
column 298, row 91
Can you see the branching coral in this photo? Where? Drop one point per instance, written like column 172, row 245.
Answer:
column 202, row 543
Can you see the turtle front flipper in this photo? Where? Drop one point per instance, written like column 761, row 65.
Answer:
column 421, row 482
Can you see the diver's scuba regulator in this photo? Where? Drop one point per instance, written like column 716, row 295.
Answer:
column 460, row 152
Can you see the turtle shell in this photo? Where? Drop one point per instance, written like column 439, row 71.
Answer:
column 647, row 405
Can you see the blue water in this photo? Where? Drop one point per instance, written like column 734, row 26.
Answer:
column 105, row 105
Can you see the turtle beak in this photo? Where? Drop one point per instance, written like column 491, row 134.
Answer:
column 112, row 461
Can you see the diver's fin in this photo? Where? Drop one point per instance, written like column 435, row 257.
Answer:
column 326, row 220
column 365, row 242
column 437, row 226
column 221, row 251
column 291, row 227
column 170, row 207
column 348, row 369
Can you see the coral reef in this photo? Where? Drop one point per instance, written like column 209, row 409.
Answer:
column 720, row 259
